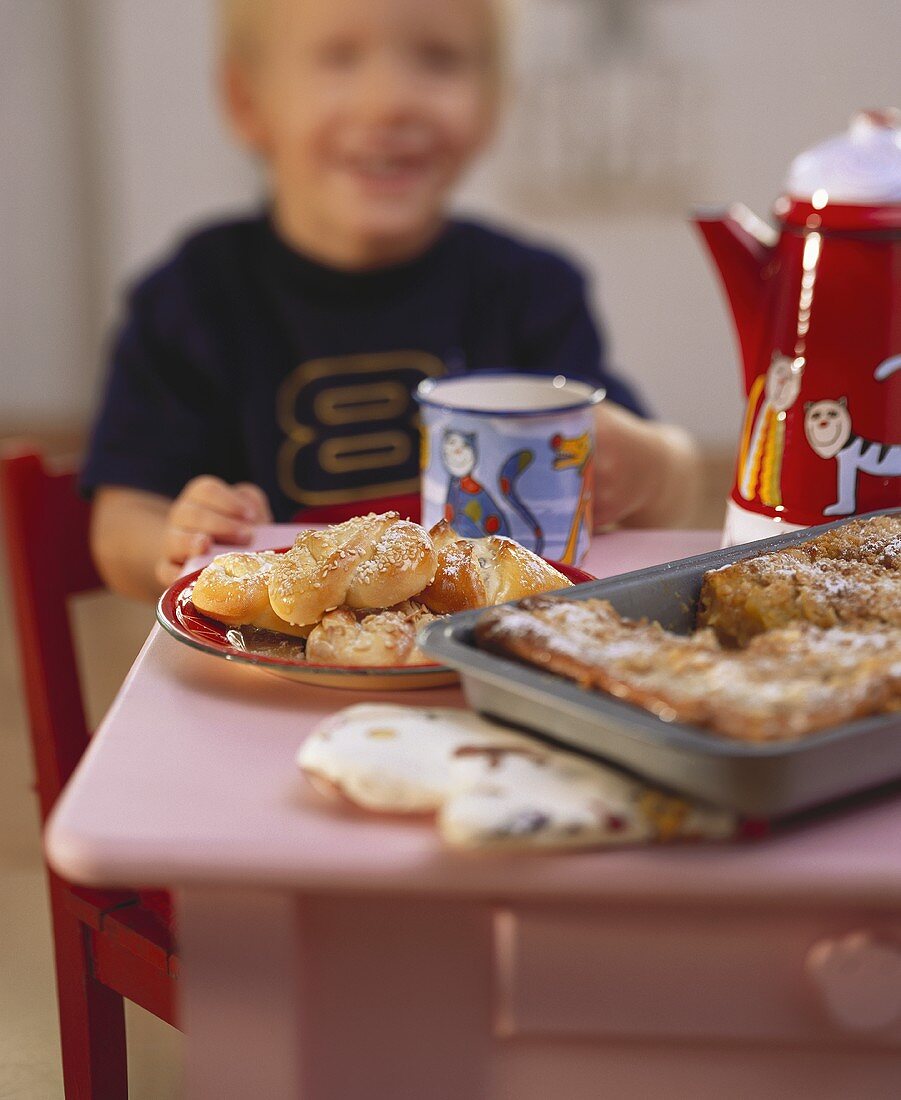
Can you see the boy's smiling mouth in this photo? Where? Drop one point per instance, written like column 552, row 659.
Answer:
column 386, row 172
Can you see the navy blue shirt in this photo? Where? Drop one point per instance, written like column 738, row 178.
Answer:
column 244, row 359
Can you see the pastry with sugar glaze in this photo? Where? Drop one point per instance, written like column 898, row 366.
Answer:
column 367, row 563
column 233, row 589
column 483, row 572
column 846, row 576
column 369, row 639
column 784, row 684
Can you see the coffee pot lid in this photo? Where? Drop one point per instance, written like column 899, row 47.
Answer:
column 862, row 166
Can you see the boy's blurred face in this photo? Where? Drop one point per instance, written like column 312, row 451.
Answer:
column 367, row 111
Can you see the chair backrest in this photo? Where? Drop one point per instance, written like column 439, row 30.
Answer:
column 46, row 529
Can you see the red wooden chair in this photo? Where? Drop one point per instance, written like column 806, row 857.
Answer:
column 108, row 945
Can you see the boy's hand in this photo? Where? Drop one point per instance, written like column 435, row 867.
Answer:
column 206, row 511
column 646, row 473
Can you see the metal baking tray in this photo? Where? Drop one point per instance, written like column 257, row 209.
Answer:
column 757, row 780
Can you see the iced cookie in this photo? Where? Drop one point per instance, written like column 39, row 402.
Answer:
column 394, row 759
column 491, row 787
column 533, row 797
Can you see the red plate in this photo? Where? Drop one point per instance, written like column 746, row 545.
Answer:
column 177, row 614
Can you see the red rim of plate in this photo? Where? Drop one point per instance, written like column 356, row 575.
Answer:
column 179, row 617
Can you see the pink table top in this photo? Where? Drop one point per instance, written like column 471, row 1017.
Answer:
column 191, row 780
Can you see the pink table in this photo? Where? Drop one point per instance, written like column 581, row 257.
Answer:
column 331, row 956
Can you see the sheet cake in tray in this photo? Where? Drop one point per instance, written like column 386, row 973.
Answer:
column 769, row 769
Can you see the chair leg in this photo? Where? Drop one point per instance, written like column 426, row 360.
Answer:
column 91, row 1016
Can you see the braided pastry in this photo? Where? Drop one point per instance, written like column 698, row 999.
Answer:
column 369, row 562
column 385, row 638
column 233, row 589
column 484, row 572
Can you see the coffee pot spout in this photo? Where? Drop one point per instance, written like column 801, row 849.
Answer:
column 742, row 246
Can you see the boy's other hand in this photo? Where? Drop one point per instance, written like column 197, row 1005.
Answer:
column 647, row 474
column 208, row 510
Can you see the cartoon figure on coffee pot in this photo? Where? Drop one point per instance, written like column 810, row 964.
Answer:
column 763, row 435
column 829, row 431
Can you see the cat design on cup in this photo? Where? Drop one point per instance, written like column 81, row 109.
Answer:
column 469, row 507
column 827, row 425
column 576, row 453
column 488, row 457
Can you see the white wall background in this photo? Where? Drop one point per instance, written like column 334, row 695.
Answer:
column 110, row 146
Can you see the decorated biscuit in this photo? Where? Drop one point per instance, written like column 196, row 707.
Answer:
column 491, row 787
column 529, row 796
column 394, row 759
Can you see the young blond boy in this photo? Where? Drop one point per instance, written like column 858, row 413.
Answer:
column 267, row 367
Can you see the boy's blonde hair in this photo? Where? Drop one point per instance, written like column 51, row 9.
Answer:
column 237, row 26
column 239, row 22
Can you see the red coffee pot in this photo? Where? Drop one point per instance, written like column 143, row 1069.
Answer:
column 817, row 308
